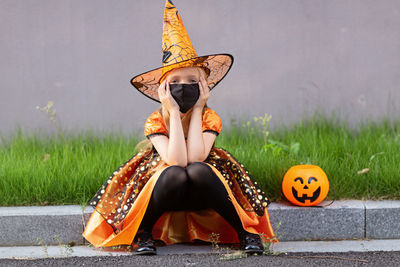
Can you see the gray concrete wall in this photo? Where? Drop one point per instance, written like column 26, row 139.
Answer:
column 291, row 57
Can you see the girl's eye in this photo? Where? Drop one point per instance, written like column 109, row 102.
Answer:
column 194, row 81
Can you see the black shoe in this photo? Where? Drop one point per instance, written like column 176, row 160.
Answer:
column 251, row 243
column 145, row 242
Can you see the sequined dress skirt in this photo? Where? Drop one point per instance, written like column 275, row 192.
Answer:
column 121, row 202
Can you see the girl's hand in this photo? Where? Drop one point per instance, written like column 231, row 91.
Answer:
column 204, row 93
column 166, row 98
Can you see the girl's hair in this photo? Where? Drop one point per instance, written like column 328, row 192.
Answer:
column 146, row 143
column 205, row 72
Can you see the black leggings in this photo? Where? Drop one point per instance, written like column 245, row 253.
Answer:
column 195, row 188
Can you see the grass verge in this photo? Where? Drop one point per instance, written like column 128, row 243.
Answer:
column 361, row 162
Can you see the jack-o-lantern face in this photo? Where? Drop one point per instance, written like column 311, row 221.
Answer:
column 305, row 185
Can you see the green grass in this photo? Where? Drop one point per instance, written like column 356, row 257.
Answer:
column 38, row 170
column 341, row 151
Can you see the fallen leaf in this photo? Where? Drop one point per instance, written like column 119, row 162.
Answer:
column 363, row 171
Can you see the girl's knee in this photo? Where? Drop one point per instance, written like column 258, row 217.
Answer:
column 197, row 167
column 173, row 177
column 200, row 173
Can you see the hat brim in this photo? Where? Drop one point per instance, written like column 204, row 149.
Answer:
column 219, row 65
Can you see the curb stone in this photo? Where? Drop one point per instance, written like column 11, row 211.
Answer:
column 345, row 219
column 341, row 220
column 383, row 219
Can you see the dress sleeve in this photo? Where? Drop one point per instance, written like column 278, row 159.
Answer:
column 155, row 125
column 211, row 122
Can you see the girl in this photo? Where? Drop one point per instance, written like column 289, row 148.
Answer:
column 180, row 187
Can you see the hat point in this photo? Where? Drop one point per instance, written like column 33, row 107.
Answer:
column 176, row 44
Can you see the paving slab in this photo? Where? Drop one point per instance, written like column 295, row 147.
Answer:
column 338, row 246
column 31, row 252
column 341, row 220
column 86, row 251
column 382, row 219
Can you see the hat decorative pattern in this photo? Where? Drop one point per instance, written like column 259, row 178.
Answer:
column 178, row 52
column 176, row 41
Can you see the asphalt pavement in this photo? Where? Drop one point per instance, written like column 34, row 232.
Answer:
column 220, row 259
column 301, row 253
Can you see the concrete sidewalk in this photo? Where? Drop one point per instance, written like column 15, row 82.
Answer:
column 54, row 225
column 31, row 252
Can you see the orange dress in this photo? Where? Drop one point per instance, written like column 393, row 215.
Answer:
column 121, row 201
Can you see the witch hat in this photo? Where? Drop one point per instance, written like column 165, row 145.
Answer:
column 178, row 52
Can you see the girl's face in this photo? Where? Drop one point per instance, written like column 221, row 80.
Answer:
column 184, row 75
column 187, row 75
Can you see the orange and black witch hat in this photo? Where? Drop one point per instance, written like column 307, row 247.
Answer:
column 178, row 52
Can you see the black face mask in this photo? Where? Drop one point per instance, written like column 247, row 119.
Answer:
column 186, row 95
